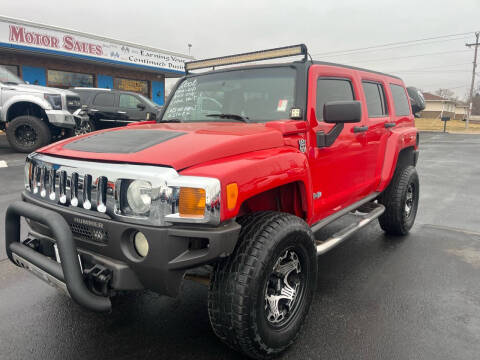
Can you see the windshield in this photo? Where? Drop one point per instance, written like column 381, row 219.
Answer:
column 7, row 77
column 250, row 95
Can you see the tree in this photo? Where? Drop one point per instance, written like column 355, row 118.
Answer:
column 446, row 94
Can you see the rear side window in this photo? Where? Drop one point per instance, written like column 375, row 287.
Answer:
column 129, row 101
column 104, row 99
column 400, row 100
column 332, row 90
column 375, row 97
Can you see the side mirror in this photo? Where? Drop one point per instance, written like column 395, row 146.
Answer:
column 416, row 99
column 341, row 112
column 338, row 113
column 141, row 106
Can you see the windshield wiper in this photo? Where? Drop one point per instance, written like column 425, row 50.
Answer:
column 230, row 116
column 170, row 121
column 11, row 83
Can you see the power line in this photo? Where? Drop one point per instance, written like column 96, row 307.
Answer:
column 412, row 56
column 352, row 52
column 394, row 43
column 432, row 71
column 431, row 67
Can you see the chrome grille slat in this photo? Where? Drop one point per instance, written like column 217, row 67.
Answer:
column 62, row 191
column 43, row 180
column 87, row 192
column 101, row 194
column 74, row 189
column 52, row 180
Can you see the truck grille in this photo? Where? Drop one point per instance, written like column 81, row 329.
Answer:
column 89, row 233
column 93, row 187
column 73, row 103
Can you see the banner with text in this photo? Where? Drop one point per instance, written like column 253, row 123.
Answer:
column 99, row 49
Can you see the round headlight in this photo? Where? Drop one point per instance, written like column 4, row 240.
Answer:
column 139, row 196
column 141, row 244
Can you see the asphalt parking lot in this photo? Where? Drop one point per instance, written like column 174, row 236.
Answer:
column 378, row 297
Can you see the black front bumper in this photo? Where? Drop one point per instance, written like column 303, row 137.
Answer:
column 172, row 250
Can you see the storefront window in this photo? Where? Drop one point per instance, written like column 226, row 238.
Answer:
column 138, row 86
column 64, row 79
column 11, row 68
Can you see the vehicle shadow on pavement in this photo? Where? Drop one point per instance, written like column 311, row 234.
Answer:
column 377, row 297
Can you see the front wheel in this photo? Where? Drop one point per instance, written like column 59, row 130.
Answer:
column 27, row 133
column 85, row 127
column 260, row 295
column 401, row 202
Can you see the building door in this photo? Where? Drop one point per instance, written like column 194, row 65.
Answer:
column 104, row 81
column 158, row 92
column 34, row 75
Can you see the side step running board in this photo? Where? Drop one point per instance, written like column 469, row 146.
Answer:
column 368, row 213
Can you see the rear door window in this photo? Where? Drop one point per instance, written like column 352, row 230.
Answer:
column 332, row 90
column 400, row 100
column 104, row 99
column 375, row 97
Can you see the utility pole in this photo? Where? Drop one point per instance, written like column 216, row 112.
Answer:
column 477, row 34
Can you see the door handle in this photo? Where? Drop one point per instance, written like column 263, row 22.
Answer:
column 358, row 129
column 389, row 125
column 121, row 112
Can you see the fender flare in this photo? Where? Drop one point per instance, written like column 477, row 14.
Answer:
column 400, row 139
column 42, row 103
column 257, row 172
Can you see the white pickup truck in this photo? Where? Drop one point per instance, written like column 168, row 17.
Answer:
column 33, row 115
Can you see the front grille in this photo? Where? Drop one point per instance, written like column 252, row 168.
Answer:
column 89, row 233
column 96, row 188
column 73, row 103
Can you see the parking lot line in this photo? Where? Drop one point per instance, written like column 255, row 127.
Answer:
column 3, row 164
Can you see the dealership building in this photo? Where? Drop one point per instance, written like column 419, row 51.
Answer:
column 52, row 56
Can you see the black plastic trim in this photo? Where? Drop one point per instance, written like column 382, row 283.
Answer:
column 416, row 153
column 70, row 271
column 359, row 129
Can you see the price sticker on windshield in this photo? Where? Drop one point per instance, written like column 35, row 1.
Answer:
column 282, row 105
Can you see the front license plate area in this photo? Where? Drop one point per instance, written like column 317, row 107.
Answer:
column 57, row 257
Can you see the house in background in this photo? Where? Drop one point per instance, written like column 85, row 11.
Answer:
column 436, row 107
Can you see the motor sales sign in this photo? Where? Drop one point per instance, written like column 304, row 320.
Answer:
column 43, row 38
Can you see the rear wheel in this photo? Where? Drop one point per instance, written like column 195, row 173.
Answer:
column 401, row 202
column 27, row 133
column 260, row 295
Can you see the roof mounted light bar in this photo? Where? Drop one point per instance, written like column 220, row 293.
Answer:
column 294, row 50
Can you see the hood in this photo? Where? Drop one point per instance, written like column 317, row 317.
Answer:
column 179, row 145
column 41, row 89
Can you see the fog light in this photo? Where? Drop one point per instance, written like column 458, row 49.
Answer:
column 141, row 244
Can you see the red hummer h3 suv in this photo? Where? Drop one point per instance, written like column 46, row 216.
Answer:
column 229, row 186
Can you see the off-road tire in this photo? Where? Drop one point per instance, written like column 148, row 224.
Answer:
column 395, row 220
column 32, row 124
column 237, row 294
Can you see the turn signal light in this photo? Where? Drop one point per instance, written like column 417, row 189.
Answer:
column 232, row 195
column 191, row 202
